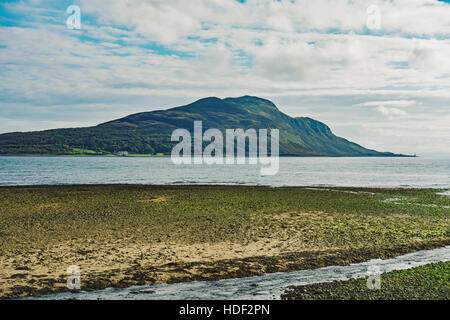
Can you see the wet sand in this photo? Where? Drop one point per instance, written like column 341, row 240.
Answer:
column 135, row 235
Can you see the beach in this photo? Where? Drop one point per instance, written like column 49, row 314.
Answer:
column 125, row 235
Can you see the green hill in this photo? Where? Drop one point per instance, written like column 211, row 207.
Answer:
column 150, row 132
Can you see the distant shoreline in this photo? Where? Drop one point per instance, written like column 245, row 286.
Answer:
column 168, row 156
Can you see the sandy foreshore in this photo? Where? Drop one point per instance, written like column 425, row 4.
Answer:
column 124, row 235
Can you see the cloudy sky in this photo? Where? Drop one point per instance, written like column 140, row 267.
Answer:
column 384, row 86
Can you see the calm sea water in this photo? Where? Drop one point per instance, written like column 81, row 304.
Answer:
column 392, row 172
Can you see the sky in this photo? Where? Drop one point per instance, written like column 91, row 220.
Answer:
column 383, row 85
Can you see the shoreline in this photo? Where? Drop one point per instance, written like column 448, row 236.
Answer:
column 125, row 235
column 318, row 187
column 168, row 156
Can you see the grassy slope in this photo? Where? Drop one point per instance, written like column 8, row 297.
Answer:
column 426, row 282
column 150, row 132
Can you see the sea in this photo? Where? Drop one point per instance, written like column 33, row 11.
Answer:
column 293, row 171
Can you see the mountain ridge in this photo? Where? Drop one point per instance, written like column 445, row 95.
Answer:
column 149, row 132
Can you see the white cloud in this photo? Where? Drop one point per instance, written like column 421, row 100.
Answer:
column 167, row 20
column 158, row 20
column 391, row 103
column 136, row 54
column 431, row 57
column 390, row 111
